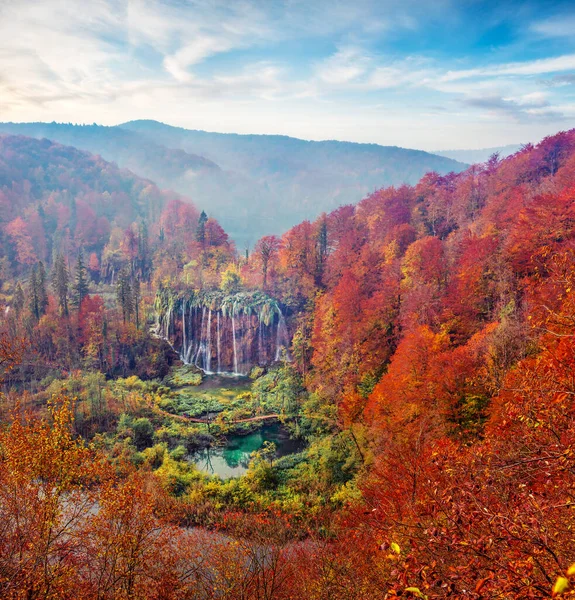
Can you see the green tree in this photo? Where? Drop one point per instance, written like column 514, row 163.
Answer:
column 60, row 283
column 143, row 433
column 322, row 249
column 18, row 299
column 37, row 295
column 80, row 288
column 124, row 295
column 231, row 280
column 5, row 269
column 136, row 297
column 201, row 229
column 144, row 255
column 42, row 292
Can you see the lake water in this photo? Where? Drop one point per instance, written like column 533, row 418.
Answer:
column 233, row 459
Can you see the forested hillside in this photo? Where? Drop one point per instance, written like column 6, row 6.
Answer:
column 70, row 223
column 419, row 346
column 254, row 185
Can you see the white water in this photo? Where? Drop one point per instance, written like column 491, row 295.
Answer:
column 198, row 346
column 236, row 372
column 260, row 344
column 208, row 359
column 184, row 344
column 219, row 346
column 282, row 338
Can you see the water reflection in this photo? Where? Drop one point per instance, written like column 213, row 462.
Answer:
column 233, row 459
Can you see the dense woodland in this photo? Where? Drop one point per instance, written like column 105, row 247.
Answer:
column 430, row 375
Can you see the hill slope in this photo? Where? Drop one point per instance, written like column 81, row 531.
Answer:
column 56, row 198
column 253, row 184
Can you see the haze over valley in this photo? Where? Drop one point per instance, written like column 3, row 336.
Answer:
column 253, row 184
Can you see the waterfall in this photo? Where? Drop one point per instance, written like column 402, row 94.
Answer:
column 219, row 345
column 250, row 329
column 201, row 342
column 208, row 360
column 235, row 345
column 282, row 338
column 183, row 352
column 260, row 343
column 190, row 348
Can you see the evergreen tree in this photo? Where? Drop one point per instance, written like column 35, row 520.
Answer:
column 42, row 292
column 33, row 300
column 60, row 283
column 322, row 242
column 201, row 229
column 37, row 296
column 144, row 258
column 80, row 287
column 124, row 294
column 5, row 269
column 18, row 299
column 136, row 300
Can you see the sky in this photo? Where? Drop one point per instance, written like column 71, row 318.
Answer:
column 428, row 74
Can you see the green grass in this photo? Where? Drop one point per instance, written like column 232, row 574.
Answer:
column 188, row 397
column 185, row 375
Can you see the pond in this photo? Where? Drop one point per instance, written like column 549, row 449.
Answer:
column 232, row 460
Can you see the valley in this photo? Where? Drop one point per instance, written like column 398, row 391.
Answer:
column 325, row 398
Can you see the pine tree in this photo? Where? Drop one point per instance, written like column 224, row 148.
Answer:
column 5, row 269
column 37, row 296
column 136, row 300
column 144, row 258
column 42, row 292
column 18, row 299
column 201, row 229
column 80, row 287
column 322, row 242
column 124, row 294
column 60, row 283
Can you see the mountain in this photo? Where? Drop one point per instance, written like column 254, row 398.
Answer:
column 480, row 155
column 296, row 179
column 252, row 184
column 123, row 147
column 57, row 199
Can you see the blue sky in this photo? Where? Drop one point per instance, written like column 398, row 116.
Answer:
column 430, row 74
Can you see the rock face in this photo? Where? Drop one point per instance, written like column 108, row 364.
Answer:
column 223, row 334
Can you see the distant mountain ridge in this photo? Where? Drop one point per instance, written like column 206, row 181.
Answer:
column 253, row 184
column 480, row 155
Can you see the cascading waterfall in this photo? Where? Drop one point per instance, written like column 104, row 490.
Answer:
column 235, row 345
column 208, row 359
column 201, row 340
column 184, row 344
column 219, row 346
column 223, row 334
column 282, row 338
column 260, row 344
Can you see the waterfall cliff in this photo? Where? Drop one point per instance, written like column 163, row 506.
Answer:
column 223, row 334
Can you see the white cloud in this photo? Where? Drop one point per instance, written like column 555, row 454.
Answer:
column 203, row 63
column 559, row 26
column 345, row 66
column 193, row 53
column 534, row 67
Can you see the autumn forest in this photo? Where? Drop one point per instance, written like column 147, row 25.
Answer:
column 377, row 403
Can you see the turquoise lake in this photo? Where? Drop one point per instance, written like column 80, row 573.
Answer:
column 232, row 460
